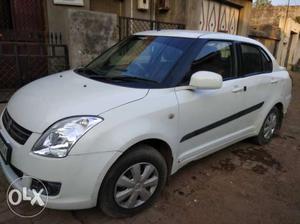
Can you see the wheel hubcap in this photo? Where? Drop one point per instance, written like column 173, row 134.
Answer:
column 136, row 185
column 270, row 125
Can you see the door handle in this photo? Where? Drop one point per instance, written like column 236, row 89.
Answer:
column 239, row 89
column 274, row 81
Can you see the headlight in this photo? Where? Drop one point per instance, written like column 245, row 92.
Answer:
column 58, row 140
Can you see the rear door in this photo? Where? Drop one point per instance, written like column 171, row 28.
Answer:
column 255, row 69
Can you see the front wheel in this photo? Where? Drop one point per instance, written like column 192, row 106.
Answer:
column 269, row 127
column 133, row 182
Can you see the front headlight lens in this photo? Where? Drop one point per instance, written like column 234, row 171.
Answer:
column 58, row 140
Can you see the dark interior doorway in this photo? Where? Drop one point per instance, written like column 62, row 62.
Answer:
column 22, row 20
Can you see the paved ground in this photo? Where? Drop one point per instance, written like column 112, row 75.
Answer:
column 244, row 183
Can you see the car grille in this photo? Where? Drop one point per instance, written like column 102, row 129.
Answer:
column 18, row 133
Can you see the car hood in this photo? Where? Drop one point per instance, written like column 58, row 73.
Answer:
column 39, row 104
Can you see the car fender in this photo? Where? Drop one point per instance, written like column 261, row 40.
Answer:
column 154, row 117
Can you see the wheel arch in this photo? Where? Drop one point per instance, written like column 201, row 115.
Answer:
column 263, row 114
column 161, row 146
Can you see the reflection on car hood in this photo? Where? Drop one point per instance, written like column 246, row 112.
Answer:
column 39, row 104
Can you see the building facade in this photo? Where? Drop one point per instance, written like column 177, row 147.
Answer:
column 229, row 16
column 278, row 28
column 40, row 37
column 44, row 16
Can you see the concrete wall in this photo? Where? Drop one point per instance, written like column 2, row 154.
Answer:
column 108, row 6
column 288, row 48
column 128, row 8
column 176, row 13
column 245, row 15
column 88, row 30
column 181, row 11
column 57, row 17
column 90, row 33
column 275, row 13
column 270, row 23
column 264, row 16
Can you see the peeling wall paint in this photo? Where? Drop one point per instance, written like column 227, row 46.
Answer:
column 90, row 33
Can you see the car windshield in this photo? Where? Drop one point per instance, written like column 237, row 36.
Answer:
column 138, row 59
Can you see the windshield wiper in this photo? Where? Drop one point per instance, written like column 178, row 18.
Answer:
column 94, row 75
column 99, row 77
column 86, row 71
column 132, row 78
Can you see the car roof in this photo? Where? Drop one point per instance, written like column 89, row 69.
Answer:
column 197, row 34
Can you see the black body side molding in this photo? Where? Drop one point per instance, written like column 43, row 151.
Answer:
column 221, row 122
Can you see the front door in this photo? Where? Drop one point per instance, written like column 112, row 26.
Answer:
column 211, row 118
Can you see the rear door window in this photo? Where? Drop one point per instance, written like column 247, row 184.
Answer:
column 254, row 60
column 251, row 60
column 266, row 61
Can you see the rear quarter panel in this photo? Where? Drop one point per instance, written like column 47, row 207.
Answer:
column 280, row 92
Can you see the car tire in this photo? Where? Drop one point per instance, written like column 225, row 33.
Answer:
column 127, row 188
column 270, row 127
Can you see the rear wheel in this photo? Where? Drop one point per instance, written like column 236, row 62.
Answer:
column 269, row 127
column 133, row 182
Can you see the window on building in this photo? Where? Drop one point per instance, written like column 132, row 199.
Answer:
column 215, row 56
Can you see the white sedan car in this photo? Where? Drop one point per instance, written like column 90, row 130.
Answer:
column 110, row 133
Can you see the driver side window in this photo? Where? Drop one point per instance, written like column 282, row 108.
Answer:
column 215, row 56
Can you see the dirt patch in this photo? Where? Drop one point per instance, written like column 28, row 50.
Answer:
column 286, row 137
column 258, row 158
column 259, row 169
column 225, row 164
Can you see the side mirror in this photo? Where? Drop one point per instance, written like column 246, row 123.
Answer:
column 206, row 80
